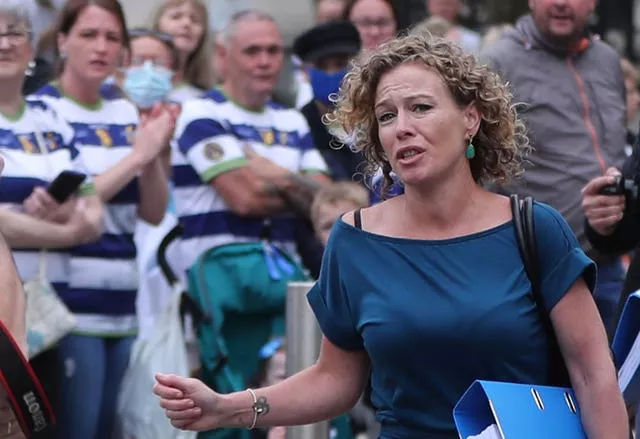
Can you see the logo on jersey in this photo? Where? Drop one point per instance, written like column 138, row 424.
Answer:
column 105, row 137
column 51, row 141
column 268, row 137
column 27, row 144
column 213, row 151
column 283, row 137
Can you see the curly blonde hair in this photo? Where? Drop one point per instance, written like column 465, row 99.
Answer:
column 501, row 141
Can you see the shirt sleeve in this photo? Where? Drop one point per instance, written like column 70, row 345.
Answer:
column 330, row 302
column 209, row 147
column 561, row 258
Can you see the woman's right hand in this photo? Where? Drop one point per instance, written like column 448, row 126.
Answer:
column 189, row 403
column 154, row 132
column 603, row 212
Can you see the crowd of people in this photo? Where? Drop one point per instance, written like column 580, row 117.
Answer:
column 385, row 180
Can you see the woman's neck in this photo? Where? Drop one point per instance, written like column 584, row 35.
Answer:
column 255, row 102
column 79, row 91
column 442, row 206
column 11, row 99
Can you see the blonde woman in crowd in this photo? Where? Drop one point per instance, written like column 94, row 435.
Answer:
column 494, row 33
column 631, row 76
column 187, row 22
column 329, row 10
column 420, row 269
column 435, row 26
column 450, row 10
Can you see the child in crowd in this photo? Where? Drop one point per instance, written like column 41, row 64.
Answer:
column 332, row 201
column 329, row 204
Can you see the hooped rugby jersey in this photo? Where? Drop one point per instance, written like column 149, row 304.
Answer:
column 210, row 136
column 104, row 279
column 29, row 164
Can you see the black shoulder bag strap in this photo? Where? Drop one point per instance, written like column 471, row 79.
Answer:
column 25, row 394
column 357, row 219
column 526, row 238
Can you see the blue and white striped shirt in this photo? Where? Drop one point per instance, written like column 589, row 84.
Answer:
column 104, row 277
column 29, row 164
column 210, row 134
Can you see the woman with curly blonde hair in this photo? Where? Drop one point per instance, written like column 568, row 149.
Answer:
column 427, row 289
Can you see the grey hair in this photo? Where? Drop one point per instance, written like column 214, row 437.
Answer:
column 229, row 31
column 21, row 10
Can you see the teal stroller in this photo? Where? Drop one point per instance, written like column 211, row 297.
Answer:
column 241, row 290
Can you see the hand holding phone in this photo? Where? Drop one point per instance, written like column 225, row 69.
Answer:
column 55, row 202
column 65, row 184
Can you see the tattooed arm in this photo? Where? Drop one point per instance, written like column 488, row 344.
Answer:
column 295, row 190
column 298, row 191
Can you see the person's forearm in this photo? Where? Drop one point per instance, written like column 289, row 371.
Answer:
column 116, row 178
column 298, row 191
column 23, row 231
column 258, row 200
column 307, row 397
column 602, row 409
column 12, row 299
column 154, row 193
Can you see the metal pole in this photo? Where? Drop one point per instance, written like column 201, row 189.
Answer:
column 303, row 346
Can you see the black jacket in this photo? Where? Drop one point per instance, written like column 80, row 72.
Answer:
column 343, row 163
column 626, row 236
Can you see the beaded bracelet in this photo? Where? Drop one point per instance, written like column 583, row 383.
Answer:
column 260, row 407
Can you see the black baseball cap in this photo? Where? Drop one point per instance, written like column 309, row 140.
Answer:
column 338, row 37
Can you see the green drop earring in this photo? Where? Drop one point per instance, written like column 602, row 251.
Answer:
column 470, row 152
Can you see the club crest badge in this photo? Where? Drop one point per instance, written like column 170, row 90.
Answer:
column 213, row 151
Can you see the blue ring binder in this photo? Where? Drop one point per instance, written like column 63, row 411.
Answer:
column 520, row 411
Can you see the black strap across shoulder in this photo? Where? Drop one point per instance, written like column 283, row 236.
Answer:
column 523, row 222
column 25, row 394
column 357, row 219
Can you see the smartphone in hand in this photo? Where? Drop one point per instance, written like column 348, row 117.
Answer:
column 65, row 185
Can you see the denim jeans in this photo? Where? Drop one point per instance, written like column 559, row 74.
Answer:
column 607, row 294
column 93, row 368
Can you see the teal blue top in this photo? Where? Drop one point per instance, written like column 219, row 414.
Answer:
column 436, row 315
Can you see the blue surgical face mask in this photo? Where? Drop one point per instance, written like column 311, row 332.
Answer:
column 148, row 84
column 325, row 84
